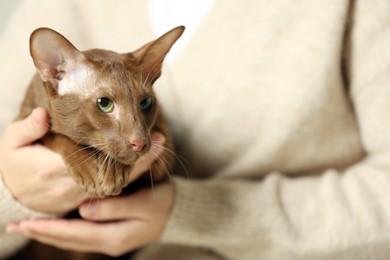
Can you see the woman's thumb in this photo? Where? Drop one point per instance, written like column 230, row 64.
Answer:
column 28, row 130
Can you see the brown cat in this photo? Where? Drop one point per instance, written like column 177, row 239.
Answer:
column 103, row 111
column 102, row 108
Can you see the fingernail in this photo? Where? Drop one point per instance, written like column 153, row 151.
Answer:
column 162, row 140
column 158, row 137
column 88, row 209
column 38, row 119
column 26, row 225
column 35, row 117
column 13, row 229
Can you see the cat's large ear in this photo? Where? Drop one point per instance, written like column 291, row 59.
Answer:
column 53, row 55
column 151, row 55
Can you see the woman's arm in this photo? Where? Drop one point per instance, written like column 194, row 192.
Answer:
column 336, row 214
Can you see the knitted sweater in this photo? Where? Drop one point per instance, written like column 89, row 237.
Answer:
column 281, row 108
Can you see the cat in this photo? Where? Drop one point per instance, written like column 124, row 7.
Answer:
column 102, row 108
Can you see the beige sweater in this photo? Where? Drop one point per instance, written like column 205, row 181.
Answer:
column 282, row 109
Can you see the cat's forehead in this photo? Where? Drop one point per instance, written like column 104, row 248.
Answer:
column 88, row 81
column 106, row 56
column 105, row 71
column 78, row 81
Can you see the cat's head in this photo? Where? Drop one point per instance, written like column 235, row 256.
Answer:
column 99, row 97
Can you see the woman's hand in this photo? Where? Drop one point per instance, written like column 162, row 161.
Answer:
column 35, row 175
column 112, row 225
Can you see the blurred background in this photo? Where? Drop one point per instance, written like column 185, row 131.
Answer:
column 6, row 7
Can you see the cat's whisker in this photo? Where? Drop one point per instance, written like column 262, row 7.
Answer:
column 55, row 130
column 81, row 137
column 109, row 160
column 146, row 81
column 92, row 198
column 80, row 160
column 90, row 201
column 172, row 152
column 115, row 164
column 151, row 178
column 102, row 145
column 163, row 163
column 159, row 159
column 76, row 163
column 61, row 173
column 96, row 176
column 84, row 158
column 106, row 163
column 99, row 170
column 83, row 149
column 180, row 159
column 103, row 166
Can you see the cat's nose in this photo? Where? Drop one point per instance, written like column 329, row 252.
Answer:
column 138, row 145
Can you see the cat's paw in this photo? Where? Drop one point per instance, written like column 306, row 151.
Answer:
column 101, row 176
column 84, row 175
column 110, row 179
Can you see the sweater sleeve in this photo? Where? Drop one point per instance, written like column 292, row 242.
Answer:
column 14, row 53
column 338, row 214
column 11, row 211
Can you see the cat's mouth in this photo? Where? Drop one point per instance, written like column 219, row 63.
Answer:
column 126, row 156
column 129, row 158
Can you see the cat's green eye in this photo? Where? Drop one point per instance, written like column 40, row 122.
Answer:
column 105, row 105
column 146, row 104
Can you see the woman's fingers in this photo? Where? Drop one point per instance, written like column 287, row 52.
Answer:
column 118, row 225
column 117, row 208
column 84, row 236
column 26, row 131
column 144, row 204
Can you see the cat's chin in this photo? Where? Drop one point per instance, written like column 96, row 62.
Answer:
column 128, row 160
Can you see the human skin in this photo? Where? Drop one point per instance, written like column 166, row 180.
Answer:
column 132, row 221
column 49, row 187
column 35, row 175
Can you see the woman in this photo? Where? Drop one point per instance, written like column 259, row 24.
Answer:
column 280, row 109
